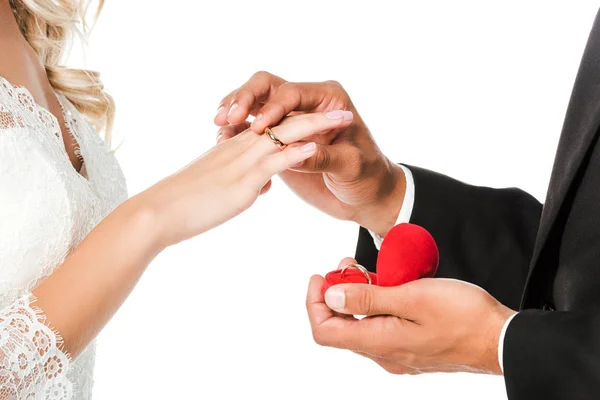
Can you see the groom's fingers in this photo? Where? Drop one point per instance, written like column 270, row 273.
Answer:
column 248, row 99
column 292, row 96
column 318, row 312
column 347, row 261
column 342, row 160
column 229, row 131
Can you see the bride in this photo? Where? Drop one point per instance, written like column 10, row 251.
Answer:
column 72, row 245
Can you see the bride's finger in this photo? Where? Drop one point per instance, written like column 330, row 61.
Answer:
column 280, row 161
column 301, row 126
column 296, row 128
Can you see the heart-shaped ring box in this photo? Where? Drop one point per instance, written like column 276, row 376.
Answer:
column 408, row 252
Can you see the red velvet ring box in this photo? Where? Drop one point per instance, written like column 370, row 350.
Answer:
column 408, row 252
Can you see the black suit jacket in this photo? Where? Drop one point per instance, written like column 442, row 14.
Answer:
column 542, row 260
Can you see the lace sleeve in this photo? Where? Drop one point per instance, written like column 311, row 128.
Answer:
column 32, row 363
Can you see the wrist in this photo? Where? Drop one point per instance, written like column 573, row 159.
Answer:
column 143, row 215
column 493, row 355
column 382, row 214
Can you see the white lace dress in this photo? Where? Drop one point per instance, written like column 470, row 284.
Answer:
column 46, row 209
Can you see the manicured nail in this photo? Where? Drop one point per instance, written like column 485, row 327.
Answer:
column 233, row 107
column 219, row 134
column 337, row 114
column 347, row 115
column 220, row 110
column 335, row 298
column 308, row 147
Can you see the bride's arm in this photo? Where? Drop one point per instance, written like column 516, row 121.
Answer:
column 80, row 297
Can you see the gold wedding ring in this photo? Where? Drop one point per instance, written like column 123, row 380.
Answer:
column 274, row 139
column 360, row 268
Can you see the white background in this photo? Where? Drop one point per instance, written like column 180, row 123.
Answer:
column 474, row 89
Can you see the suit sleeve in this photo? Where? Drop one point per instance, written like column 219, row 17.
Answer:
column 566, row 348
column 485, row 236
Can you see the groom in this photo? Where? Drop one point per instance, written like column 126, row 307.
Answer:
column 543, row 261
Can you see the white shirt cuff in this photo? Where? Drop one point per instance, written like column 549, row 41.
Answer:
column 407, row 205
column 501, row 343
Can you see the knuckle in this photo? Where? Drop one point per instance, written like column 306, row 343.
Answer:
column 234, row 96
column 261, row 75
column 263, row 166
column 319, row 337
column 336, row 86
column 241, row 94
column 246, row 95
column 275, row 109
column 288, row 87
column 321, row 159
column 365, row 301
column 337, row 90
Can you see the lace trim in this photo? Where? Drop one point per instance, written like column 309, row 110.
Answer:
column 37, row 114
column 24, row 97
column 33, row 364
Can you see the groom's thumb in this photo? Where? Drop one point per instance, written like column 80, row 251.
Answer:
column 362, row 299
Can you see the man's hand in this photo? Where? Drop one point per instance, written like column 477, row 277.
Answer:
column 348, row 177
column 428, row 325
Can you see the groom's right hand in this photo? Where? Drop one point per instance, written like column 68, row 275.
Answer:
column 348, row 177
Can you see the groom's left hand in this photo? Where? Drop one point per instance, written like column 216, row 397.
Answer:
column 428, row 325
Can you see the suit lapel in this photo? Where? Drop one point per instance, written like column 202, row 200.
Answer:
column 579, row 129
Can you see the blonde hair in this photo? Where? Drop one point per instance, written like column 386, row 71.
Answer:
column 49, row 26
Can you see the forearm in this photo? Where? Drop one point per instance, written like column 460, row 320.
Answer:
column 81, row 296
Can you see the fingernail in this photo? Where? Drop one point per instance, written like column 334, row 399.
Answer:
column 308, row 147
column 347, row 115
column 337, row 114
column 219, row 135
column 297, row 165
column 220, row 110
column 335, row 298
column 258, row 117
column 233, row 107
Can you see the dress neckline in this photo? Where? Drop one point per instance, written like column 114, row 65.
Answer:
column 67, row 118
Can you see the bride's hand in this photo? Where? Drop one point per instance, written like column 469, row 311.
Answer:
column 227, row 179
